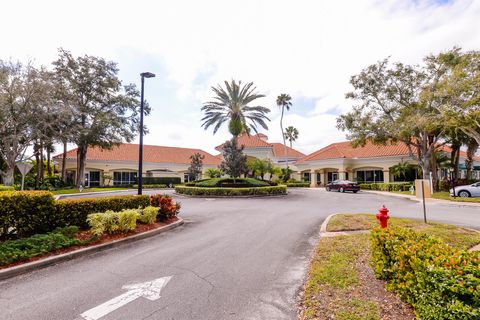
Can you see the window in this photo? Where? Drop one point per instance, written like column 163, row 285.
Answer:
column 124, row 178
column 369, row 176
column 94, row 178
column 186, row 177
column 306, row 176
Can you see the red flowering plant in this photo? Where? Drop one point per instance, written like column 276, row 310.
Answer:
column 167, row 207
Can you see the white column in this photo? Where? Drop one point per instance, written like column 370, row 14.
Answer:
column 313, row 178
column 386, row 175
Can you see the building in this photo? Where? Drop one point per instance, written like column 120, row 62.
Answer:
column 257, row 146
column 370, row 163
column 119, row 165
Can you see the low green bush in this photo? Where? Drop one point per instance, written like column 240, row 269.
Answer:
column 161, row 180
column 439, row 281
column 23, row 249
column 113, row 222
column 387, row 186
column 298, row 184
column 231, row 183
column 24, row 213
column 151, row 186
column 147, row 215
column 212, row 191
column 6, row 188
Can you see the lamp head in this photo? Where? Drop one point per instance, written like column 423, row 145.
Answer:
column 147, row 75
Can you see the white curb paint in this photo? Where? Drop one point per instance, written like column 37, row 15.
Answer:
column 150, row 290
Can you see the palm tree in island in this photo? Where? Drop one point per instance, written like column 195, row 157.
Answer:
column 291, row 134
column 232, row 103
column 284, row 101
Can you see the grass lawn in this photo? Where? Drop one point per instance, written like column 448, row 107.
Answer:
column 341, row 284
column 455, row 236
column 69, row 191
column 446, row 196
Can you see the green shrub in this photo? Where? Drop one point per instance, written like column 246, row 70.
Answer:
column 298, row 184
column 6, row 188
column 75, row 211
column 229, row 183
column 23, row 249
column 439, row 281
column 387, row 186
column 211, row 191
column 113, row 222
column 26, row 213
column 148, row 215
column 151, row 186
column 161, row 180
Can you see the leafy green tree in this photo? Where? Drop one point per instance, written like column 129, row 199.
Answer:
column 259, row 167
column 233, row 104
column 272, row 170
column 398, row 103
column 234, row 161
column 284, row 101
column 472, row 147
column 291, row 134
column 196, row 165
column 21, row 92
column 105, row 111
column 401, row 169
column 286, row 174
column 213, row 173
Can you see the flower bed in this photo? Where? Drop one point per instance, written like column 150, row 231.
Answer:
column 232, row 192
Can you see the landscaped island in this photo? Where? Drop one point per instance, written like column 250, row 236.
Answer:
column 231, row 187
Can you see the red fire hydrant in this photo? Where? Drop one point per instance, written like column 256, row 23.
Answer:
column 382, row 216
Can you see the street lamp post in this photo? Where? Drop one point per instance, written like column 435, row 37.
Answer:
column 140, row 146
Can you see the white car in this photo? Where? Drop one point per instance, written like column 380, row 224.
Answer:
column 471, row 190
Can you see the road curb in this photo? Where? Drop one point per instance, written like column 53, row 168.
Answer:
column 42, row 263
column 323, row 227
column 428, row 200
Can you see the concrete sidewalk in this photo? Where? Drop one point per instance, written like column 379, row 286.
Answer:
column 429, row 200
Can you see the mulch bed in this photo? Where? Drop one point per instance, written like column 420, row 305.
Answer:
column 86, row 235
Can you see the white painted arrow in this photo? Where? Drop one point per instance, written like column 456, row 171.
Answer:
column 150, row 290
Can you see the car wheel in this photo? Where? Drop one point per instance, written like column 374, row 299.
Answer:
column 327, row 188
column 464, row 194
column 341, row 190
column 355, row 191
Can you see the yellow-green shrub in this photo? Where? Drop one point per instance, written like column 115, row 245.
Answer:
column 113, row 222
column 147, row 215
column 439, row 281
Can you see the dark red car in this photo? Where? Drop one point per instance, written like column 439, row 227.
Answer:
column 342, row 186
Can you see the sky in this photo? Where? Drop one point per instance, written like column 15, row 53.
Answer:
column 308, row 49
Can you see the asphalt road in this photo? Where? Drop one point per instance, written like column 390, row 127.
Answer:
column 233, row 259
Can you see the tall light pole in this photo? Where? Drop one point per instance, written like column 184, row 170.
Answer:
column 140, row 146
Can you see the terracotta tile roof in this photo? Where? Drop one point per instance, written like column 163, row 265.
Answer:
column 370, row 150
column 252, row 141
column 279, row 151
column 129, row 152
column 346, row 150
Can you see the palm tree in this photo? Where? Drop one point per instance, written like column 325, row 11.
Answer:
column 401, row 169
column 291, row 134
column 284, row 102
column 232, row 104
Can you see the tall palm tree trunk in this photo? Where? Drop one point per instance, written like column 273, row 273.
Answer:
column 283, row 136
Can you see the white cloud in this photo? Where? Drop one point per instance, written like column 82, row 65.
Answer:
column 305, row 48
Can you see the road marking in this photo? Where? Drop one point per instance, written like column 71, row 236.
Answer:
column 149, row 290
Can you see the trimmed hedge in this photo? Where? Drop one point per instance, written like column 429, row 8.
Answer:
column 298, row 184
column 151, row 186
column 390, row 186
column 161, row 180
column 439, row 281
column 6, row 188
column 29, row 212
column 229, row 183
column 231, row 192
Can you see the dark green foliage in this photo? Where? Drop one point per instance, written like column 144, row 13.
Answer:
column 75, row 212
column 439, row 281
column 196, row 165
column 392, row 186
column 30, row 212
column 151, row 186
column 39, row 244
column 214, row 191
column 234, row 161
column 162, row 180
column 230, row 183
